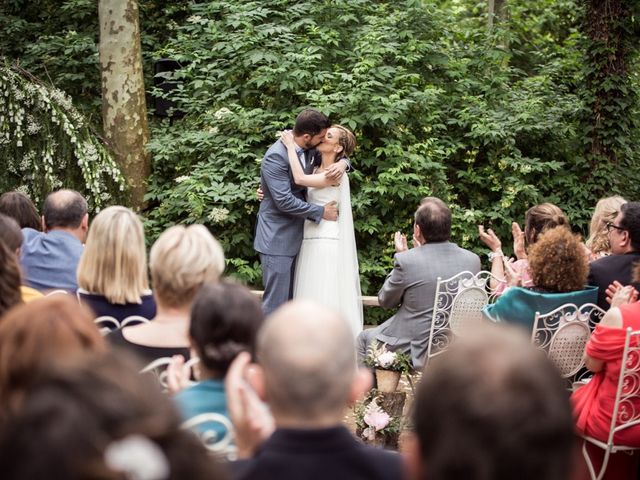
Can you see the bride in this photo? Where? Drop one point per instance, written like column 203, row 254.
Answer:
column 327, row 265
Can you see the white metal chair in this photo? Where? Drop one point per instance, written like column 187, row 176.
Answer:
column 59, row 291
column 207, row 426
column 626, row 413
column 159, row 368
column 133, row 320
column 458, row 305
column 106, row 323
column 563, row 334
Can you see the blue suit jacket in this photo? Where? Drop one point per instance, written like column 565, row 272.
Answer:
column 284, row 208
column 50, row 260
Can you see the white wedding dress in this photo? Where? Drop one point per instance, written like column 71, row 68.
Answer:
column 327, row 265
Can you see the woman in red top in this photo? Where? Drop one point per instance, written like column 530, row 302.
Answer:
column 593, row 403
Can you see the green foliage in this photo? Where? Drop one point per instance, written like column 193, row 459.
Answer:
column 490, row 122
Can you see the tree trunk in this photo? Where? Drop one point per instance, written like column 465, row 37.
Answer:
column 607, row 77
column 124, row 110
column 497, row 12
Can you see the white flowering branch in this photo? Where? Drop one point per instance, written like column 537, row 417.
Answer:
column 46, row 144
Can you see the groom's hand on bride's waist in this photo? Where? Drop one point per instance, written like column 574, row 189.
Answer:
column 330, row 211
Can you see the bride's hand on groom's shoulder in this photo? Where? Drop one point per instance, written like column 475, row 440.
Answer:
column 286, row 137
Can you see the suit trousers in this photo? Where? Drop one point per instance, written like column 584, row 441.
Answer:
column 277, row 279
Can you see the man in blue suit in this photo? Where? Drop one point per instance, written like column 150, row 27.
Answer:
column 284, row 208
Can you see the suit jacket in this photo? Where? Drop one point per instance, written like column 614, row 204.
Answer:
column 605, row 270
column 284, row 208
column 412, row 285
column 50, row 260
column 331, row 453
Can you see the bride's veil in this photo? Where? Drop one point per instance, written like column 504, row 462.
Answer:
column 349, row 280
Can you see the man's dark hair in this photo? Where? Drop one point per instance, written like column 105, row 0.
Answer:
column 631, row 222
column 225, row 319
column 310, row 122
column 434, row 219
column 10, row 233
column 20, row 207
column 64, row 209
column 493, row 407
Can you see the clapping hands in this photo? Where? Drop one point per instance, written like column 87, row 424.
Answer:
column 618, row 294
column 400, row 242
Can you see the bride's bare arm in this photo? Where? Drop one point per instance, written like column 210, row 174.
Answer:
column 317, row 180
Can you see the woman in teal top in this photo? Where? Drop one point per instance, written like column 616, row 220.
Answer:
column 559, row 267
column 224, row 322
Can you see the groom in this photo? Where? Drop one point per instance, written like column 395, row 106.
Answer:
column 284, row 209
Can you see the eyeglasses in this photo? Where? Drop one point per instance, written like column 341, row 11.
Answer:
column 611, row 225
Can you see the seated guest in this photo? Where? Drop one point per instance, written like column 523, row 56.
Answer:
column 412, row 282
column 593, row 403
column 10, row 293
column 536, row 220
column 12, row 237
column 606, row 211
column 492, row 407
column 307, row 374
column 50, row 259
column 224, row 322
column 558, row 269
column 112, row 273
column 35, row 334
column 96, row 418
column 20, row 207
column 624, row 237
column 181, row 261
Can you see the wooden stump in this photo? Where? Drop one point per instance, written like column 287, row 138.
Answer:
column 393, row 404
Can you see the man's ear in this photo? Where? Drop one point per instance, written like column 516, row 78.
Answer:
column 255, row 378
column 362, row 381
column 417, row 232
column 43, row 224
column 413, row 463
column 85, row 222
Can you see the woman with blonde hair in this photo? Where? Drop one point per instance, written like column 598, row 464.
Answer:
column 112, row 273
column 181, row 261
column 606, row 211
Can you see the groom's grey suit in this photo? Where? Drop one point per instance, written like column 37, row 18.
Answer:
column 280, row 224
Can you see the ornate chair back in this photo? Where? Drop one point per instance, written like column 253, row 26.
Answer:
column 208, row 427
column 106, row 323
column 563, row 334
column 159, row 368
column 457, row 306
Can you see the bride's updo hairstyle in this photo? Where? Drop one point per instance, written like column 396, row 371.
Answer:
column 346, row 140
column 540, row 218
column 225, row 319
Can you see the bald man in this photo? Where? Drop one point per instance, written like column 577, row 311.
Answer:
column 307, row 374
column 50, row 259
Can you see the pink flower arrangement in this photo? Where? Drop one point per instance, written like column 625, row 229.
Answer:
column 375, row 418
